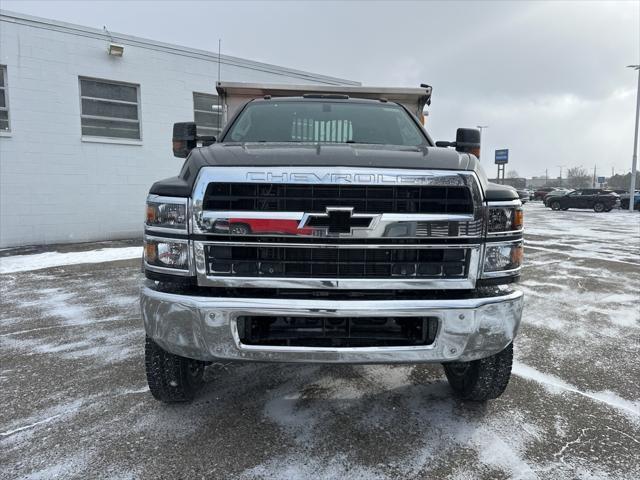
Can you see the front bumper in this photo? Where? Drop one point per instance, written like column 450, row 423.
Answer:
column 205, row 328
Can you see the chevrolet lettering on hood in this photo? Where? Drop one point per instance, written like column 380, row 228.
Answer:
column 358, row 178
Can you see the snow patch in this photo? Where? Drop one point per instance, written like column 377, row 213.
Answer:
column 556, row 385
column 25, row 263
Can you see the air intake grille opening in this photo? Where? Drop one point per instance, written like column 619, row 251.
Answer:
column 277, row 197
column 302, row 262
column 337, row 332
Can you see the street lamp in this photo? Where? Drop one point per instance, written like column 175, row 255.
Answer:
column 634, row 161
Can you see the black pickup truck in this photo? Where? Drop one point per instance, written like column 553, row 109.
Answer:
column 325, row 225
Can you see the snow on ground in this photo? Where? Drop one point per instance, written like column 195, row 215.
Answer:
column 76, row 404
column 24, row 263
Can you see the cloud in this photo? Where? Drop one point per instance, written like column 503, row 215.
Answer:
column 548, row 77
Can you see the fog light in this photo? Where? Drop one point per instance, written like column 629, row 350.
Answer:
column 166, row 253
column 503, row 257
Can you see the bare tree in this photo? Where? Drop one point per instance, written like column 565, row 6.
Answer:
column 578, row 177
column 513, row 174
column 621, row 182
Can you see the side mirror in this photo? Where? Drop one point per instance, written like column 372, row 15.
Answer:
column 184, row 138
column 468, row 141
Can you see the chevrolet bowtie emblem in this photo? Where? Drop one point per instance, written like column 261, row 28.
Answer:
column 337, row 220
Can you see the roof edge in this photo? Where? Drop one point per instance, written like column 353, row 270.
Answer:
column 81, row 30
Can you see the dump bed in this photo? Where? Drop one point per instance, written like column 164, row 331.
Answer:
column 233, row 95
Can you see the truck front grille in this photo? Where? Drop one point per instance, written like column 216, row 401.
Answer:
column 313, row 262
column 278, row 197
column 336, row 331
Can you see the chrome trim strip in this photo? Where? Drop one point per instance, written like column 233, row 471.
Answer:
column 405, row 217
column 502, row 273
column 162, row 199
column 170, row 271
column 505, row 233
column 389, row 246
column 505, row 203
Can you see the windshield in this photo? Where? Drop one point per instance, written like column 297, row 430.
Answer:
column 325, row 122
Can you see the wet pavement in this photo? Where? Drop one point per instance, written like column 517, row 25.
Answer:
column 76, row 404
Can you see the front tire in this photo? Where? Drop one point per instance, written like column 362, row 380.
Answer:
column 598, row 207
column 172, row 378
column 481, row 380
column 555, row 205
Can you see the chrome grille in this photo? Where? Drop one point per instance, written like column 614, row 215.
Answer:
column 334, row 227
column 278, row 197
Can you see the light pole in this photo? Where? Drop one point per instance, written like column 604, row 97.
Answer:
column 482, row 142
column 481, row 128
column 561, row 167
column 634, row 161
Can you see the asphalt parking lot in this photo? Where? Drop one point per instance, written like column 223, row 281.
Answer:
column 76, row 405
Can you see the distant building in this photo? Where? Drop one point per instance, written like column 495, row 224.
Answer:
column 518, row 183
column 84, row 131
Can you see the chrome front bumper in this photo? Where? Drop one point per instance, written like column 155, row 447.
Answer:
column 205, row 328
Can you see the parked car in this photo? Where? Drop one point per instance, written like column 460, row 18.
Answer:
column 542, row 192
column 559, row 192
column 598, row 199
column 624, row 199
column 524, row 195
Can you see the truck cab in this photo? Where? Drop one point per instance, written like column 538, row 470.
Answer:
column 325, row 225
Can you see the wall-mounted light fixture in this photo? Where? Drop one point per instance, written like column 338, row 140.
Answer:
column 116, row 50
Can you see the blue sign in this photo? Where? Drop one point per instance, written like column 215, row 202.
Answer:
column 600, row 179
column 502, row 156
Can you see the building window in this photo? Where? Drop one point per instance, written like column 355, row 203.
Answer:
column 109, row 109
column 207, row 113
column 4, row 101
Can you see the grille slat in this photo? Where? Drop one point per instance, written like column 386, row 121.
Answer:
column 274, row 197
column 295, row 262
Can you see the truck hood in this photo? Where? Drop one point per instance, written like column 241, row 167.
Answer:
column 344, row 155
column 341, row 155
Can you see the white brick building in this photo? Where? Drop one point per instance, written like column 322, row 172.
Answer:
column 83, row 134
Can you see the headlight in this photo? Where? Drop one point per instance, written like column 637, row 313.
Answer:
column 505, row 219
column 166, row 253
column 166, row 213
column 502, row 258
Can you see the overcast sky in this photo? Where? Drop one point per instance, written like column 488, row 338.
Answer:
column 548, row 78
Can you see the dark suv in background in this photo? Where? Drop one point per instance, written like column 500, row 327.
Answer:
column 597, row 199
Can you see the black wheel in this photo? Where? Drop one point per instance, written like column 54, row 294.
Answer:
column 608, row 209
column 555, row 205
column 598, row 207
column 171, row 378
column 483, row 379
column 239, row 229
